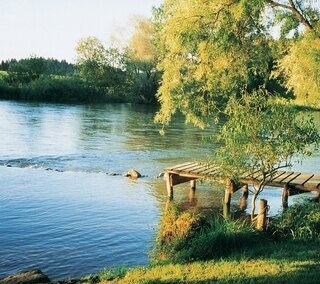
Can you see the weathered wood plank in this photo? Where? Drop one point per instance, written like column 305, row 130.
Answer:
column 176, row 167
column 277, row 175
column 248, row 174
column 282, row 177
column 193, row 170
column 301, row 179
column 314, row 182
column 210, row 171
column 290, row 178
column 202, row 168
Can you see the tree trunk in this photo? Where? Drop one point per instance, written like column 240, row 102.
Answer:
column 253, row 205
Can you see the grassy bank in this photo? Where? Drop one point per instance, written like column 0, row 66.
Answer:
column 205, row 249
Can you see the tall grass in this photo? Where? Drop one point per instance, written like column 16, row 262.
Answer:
column 193, row 248
column 185, row 237
column 300, row 221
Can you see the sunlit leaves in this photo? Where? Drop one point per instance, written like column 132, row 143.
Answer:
column 263, row 134
column 142, row 45
column 211, row 49
column 301, row 68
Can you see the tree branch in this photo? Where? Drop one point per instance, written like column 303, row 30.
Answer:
column 292, row 7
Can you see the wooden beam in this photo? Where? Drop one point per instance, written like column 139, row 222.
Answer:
column 262, row 215
column 285, row 195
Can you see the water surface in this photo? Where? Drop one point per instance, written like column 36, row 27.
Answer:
column 62, row 211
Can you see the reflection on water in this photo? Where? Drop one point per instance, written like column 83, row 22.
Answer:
column 62, row 213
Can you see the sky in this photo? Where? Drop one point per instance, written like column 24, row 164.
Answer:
column 52, row 28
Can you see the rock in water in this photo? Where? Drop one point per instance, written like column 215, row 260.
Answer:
column 133, row 174
column 27, row 277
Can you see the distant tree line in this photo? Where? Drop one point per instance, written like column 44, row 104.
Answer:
column 51, row 80
column 99, row 75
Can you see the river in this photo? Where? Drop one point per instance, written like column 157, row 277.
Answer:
column 62, row 209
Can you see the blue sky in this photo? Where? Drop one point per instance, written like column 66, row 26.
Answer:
column 52, row 28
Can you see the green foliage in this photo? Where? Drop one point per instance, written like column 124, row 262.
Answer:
column 301, row 69
column 142, row 76
column 174, row 228
column 263, row 134
column 211, row 50
column 291, row 16
column 108, row 274
column 300, row 221
column 101, row 68
column 185, row 237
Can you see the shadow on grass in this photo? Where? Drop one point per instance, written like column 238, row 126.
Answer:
column 308, row 273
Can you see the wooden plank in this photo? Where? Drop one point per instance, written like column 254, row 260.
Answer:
column 290, row 178
column 193, row 169
column 185, row 167
column 182, row 169
column 178, row 166
column 247, row 174
column 280, row 178
column 302, row 179
column 210, row 170
column 202, row 168
column 314, row 182
column 277, row 175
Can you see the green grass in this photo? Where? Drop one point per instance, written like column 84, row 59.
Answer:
column 197, row 249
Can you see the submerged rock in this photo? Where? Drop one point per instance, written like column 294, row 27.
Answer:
column 133, row 174
column 112, row 174
column 34, row 276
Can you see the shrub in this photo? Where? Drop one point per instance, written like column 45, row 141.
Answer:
column 300, row 221
column 185, row 237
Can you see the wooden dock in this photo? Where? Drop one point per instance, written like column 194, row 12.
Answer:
column 291, row 182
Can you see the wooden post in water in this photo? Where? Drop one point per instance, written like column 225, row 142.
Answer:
column 169, row 185
column 192, row 193
column 285, row 195
column 227, row 197
column 244, row 198
column 262, row 215
column 228, row 191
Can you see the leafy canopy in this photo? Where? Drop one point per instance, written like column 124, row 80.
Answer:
column 263, row 134
column 211, row 50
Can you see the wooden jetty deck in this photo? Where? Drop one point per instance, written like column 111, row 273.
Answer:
column 291, row 182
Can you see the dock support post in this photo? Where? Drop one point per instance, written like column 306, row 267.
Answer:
column 317, row 198
column 285, row 195
column 244, row 198
column 169, row 185
column 228, row 191
column 227, row 197
column 192, row 192
column 262, row 215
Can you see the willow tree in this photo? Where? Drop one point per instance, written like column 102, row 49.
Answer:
column 216, row 57
column 141, row 61
column 299, row 22
column 211, row 51
column 263, row 134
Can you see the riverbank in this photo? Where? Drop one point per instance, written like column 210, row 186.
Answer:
column 226, row 251
column 285, row 262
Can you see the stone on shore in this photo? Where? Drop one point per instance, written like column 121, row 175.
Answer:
column 34, row 276
column 133, row 174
